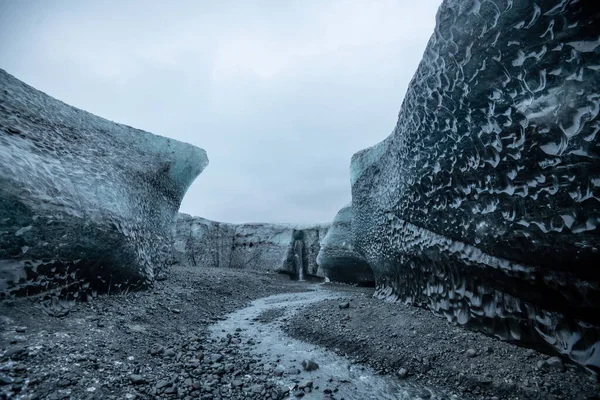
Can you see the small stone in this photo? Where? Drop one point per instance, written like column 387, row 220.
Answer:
column 21, row 329
column 344, row 305
column 170, row 352
column 402, row 373
column 163, row 383
column 309, row 365
column 14, row 352
column 307, row 385
column 64, row 382
column 237, row 383
column 137, row 379
column 5, row 380
column 471, row 353
column 156, row 350
column 171, row 390
column 19, row 367
column 100, row 324
column 555, row 363
column 216, row 358
column 257, row 388
column 299, row 393
column 279, row 370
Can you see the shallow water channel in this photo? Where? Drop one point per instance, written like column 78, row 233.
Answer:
column 352, row 381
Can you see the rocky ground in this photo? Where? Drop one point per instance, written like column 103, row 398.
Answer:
column 417, row 346
column 149, row 344
column 175, row 342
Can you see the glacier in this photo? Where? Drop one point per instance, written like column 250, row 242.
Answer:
column 83, row 201
column 284, row 248
column 484, row 202
column 337, row 258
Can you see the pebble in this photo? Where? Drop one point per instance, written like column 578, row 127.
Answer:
column 310, row 365
column 471, row 353
column 344, row 305
column 170, row 352
column 14, row 352
column 137, row 379
column 402, row 373
column 555, row 363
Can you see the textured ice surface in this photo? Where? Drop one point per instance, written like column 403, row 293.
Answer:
column 83, row 198
column 483, row 203
column 337, row 258
column 265, row 247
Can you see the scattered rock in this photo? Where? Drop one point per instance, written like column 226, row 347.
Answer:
column 344, row 305
column 137, row 379
column 310, row 365
column 555, row 363
column 471, row 353
column 170, row 352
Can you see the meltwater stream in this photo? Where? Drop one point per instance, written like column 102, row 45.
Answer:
column 335, row 372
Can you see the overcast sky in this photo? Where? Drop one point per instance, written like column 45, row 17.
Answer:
column 279, row 93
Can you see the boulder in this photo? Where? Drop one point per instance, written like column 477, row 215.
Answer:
column 337, row 258
column 484, row 202
column 83, row 199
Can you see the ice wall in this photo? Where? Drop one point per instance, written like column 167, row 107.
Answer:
column 83, row 199
column 483, row 203
column 259, row 246
column 337, row 258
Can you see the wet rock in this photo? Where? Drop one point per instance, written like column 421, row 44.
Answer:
column 471, row 353
column 554, row 363
column 14, row 353
column 170, row 352
column 163, row 384
column 156, row 350
column 257, row 388
column 136, row 379
column 310, row 365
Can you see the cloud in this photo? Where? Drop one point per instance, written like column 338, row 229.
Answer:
column 280, row 94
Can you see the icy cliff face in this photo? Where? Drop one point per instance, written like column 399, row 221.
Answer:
column 337, row 258
column 291, row 249
column 483, row 204
column 83, row 198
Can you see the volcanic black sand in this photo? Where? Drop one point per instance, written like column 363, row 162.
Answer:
column 174, row 342
column 419, row 346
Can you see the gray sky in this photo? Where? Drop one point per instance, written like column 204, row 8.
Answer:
column 279, row 93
